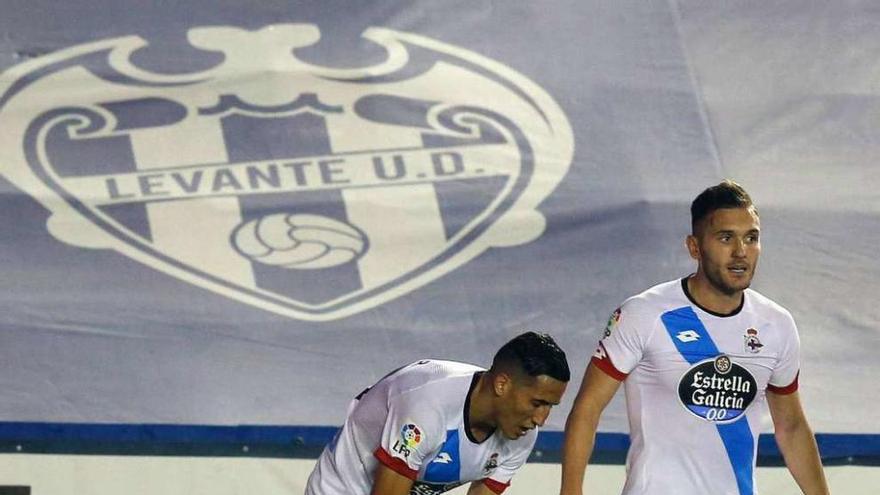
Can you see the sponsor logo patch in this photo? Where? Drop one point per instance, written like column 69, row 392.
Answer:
column 425, row 488
column 717, row 389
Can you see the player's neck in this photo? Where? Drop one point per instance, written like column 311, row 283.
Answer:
column 480, row 419
column 708, row 297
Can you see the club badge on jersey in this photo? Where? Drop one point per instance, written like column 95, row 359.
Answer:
column 752, row 344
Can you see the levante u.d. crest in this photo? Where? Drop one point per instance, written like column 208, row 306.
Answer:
column 309, row 190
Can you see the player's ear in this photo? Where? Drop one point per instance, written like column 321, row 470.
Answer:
column 501, row 383
column 693, row 246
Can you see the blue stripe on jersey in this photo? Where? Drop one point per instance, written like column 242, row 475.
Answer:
column 740, row 445
column 695, row 344
column 445, row 467
column 689, row 335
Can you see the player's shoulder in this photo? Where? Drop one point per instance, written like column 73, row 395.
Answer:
column 437, row 370
column 434, row 378
column 767, row 308
column 433, row 392
column 642, row 312
column 652, row 302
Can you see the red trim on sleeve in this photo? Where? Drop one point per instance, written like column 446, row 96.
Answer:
column 496, row 486
column 607, row 366
column 788, row 389
column 396, row 464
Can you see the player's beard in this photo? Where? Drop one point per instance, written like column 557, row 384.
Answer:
column 715, row 275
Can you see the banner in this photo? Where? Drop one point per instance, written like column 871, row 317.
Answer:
column 227, row 220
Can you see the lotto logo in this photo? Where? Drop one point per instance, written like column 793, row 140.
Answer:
column 688, row 336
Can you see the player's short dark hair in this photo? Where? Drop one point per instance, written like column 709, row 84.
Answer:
column 727, row 194
column 535, row 354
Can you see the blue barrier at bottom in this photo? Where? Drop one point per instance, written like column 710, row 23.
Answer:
column 308, row 441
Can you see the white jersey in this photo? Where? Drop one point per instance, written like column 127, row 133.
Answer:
column 414, row 421
column 694, row 384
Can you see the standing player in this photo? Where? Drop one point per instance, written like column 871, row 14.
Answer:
column 433, row 425
column 698, row 357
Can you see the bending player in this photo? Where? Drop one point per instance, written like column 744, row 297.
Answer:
column 431, row 426
column 698, row 357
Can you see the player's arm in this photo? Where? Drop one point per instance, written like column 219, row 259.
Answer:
column 480, row 488
column 390, row 482
column 797, row 443
column 597, row 389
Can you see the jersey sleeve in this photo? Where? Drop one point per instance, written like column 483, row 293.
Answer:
column 500, row 479
column 784, row 379
column 413, row 429
column 624, row 340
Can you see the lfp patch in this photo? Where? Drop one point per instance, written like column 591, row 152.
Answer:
column 411, row 435
column 613, row 320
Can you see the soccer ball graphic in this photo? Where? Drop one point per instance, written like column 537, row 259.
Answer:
column 299, row 241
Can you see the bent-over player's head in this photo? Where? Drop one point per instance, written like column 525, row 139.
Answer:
column 532, row 354
column 724, row 238
column 528, row 377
